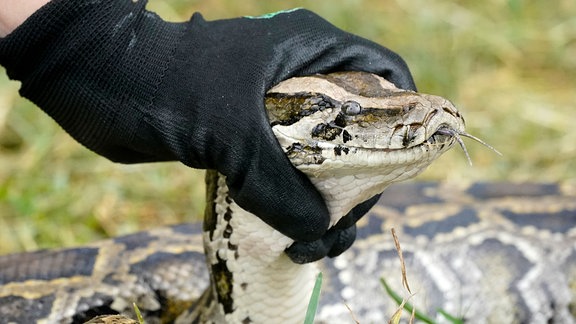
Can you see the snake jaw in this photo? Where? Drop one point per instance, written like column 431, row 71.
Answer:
column 447, row 131
column 347, row 176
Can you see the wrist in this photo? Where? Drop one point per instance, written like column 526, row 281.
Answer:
column 94, row 67
column 14, row 12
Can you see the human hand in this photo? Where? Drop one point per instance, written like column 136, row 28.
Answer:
column 335, row 241
column 134, row 88
column 258, row 54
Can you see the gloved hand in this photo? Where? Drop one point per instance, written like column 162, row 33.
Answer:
column 336, row 240
column 135, row 88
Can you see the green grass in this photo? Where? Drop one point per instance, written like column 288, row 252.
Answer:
column 405, row 305
column 314, row 300
column 510, row 66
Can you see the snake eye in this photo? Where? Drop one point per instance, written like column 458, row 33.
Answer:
column 351, row 108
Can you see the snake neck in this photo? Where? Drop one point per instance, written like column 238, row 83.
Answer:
column 252, row 279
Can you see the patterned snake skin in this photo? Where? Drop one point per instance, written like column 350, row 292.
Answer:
column 487, row 253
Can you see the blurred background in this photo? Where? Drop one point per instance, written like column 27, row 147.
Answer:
column 508, row 65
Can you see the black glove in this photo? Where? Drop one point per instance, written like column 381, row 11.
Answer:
column 336, row 240
column 134, row 88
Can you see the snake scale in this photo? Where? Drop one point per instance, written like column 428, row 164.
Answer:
column 486, row 253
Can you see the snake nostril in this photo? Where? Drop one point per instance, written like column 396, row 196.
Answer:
column 452, row 112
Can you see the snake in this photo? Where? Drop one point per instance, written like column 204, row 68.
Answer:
column 481, row 252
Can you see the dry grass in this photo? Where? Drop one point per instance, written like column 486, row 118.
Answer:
column 510, row 66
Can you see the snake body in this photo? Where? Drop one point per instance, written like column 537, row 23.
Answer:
column 353, row 134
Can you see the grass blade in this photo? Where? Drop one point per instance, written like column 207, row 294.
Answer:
column 138, row 314
column 451, row 318
column 404, row 304
column 314, row 299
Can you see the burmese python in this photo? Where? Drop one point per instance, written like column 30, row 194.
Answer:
column 488, row 253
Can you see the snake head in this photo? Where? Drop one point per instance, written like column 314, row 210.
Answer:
column 354, row 133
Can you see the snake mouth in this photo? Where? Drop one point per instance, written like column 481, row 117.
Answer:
column 445, row 131
column 442, row 135
column 312, row 151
